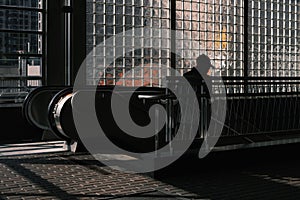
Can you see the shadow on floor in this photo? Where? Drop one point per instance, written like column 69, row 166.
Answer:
column 262, row 173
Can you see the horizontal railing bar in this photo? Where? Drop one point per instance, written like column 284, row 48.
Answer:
column 24, row 54
column 20, row 78
column 255, row 78
column 241, row 79
column 257, row 94
column 18, row 87
column 8, row 7
column 21, row 31
column 257, row 83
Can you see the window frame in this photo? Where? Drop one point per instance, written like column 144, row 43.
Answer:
column 17, row 99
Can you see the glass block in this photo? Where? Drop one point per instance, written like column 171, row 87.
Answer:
column 119, row 10
column 119, row 20
column 165, row 13
column 128, row 10
column 109, row 19
column 99, row 8
column 99, row 19
column 156, row 3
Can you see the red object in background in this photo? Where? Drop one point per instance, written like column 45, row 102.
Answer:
column 150, row 77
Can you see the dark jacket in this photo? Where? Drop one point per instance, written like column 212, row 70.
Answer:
column 197, row 82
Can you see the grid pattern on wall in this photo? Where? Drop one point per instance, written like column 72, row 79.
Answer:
column 274, row 38
column 21, row 48
column 270, row 46
column 135, row 66
column 215, row 28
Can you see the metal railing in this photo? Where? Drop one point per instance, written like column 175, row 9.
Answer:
column 255, row 107
column 266, row 106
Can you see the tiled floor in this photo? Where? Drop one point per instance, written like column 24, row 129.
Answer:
column 74, row 176
column 263, row 173
column 270, row 173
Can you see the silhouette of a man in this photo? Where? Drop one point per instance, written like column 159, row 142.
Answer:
column 199, row 84
column 195, row 78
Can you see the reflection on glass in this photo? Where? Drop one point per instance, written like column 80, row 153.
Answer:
column 215, row 28
column 117, row 18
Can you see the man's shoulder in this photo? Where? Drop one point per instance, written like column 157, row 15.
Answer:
column 193, row 73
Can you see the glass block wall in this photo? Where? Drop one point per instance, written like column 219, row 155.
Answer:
column 214, row 27
column 137, row 67
column 274, row 38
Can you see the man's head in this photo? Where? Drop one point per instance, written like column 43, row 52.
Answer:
column 204, row 64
